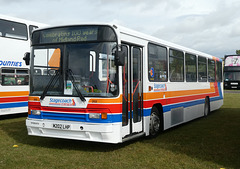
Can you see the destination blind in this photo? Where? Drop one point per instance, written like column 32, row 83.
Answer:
column 68, row 34
column 72, row 34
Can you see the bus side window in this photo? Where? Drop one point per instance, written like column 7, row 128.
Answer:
column 157, row 63
column 176, row 65
column 14, row 30
column 219, row 71
column 191, row 67
column 211, row 70
column 14, row 77
column 202, row 69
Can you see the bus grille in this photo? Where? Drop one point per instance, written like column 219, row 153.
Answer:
column 64, row 116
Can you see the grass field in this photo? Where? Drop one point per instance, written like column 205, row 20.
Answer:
column 212, row 142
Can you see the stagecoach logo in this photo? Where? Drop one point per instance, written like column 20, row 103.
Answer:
column 62, row 102
column 10, row 63
column 160, row 87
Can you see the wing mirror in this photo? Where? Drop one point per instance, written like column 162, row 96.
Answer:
column 26, row 58
column 120, row 58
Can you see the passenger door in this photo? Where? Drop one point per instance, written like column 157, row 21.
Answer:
column 132, row 117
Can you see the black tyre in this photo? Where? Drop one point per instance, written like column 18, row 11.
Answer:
column 206, row 107
column 155, row 122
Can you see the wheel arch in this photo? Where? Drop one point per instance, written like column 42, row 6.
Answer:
column 160, row 110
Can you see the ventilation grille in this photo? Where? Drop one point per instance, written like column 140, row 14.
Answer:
column 177, row 115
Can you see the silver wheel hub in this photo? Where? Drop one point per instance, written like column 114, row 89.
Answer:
column 154, row 124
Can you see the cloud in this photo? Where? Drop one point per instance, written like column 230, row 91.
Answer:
column 208, row 26
column 235, row 30
column 215, row 32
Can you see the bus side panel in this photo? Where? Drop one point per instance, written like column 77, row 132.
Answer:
column 13, row 98
column 183, row 105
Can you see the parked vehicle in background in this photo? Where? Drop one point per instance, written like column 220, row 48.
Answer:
column 14, row 73
column 232, row 72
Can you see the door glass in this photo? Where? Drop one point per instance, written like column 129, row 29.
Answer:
column 136, row 93
column 125, row 88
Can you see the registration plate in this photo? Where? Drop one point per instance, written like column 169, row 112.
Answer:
column 61, row 126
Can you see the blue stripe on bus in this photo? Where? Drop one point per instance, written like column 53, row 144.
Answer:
column 111, row 118
column 185, row 104
column 166, row 108
column 13, row 105
column 220, row 91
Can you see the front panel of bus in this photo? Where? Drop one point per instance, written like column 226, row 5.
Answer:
column 232, row 72
column 74, row 84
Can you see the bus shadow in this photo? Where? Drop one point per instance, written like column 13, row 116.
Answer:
column 215, row 138
column 12, row 116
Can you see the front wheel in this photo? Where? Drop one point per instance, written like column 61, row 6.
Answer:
column 155, row 122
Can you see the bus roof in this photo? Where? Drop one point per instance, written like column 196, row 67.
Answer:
column 27, row 22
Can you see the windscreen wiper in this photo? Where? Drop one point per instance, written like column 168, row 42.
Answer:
column 70, row 74
column 53, row 78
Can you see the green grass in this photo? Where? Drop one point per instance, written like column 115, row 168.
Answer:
column 212, row 142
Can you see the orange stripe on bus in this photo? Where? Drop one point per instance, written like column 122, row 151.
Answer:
column 168, row 94
column 188, row 92
column 33, row 98
column 14, row 93
column 154, row 95
column 215, row 58
column 97, row 100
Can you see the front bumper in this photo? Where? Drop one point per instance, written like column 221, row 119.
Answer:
column 97, row 132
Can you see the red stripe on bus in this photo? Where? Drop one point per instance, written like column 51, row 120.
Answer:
column 14, row 99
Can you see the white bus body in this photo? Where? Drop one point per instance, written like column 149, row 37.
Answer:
column 159, row 85
column 14, row 43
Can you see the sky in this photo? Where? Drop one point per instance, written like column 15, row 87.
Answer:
column 209, row 26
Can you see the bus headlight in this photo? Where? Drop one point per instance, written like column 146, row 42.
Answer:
column 97, row 115
column 36, row 112
column 94, row 116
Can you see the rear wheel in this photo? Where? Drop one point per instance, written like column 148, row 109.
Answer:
column 206, row 107
column 155, row 122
